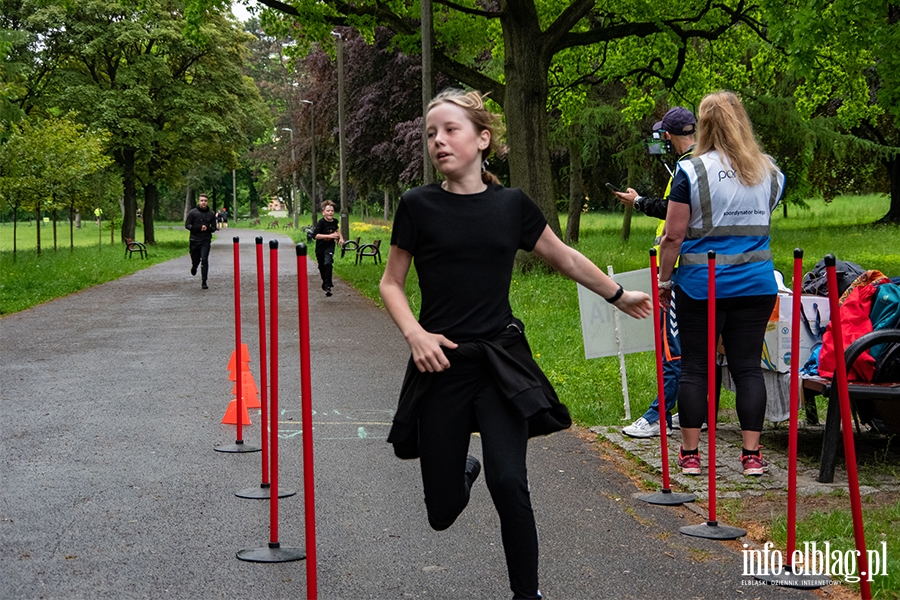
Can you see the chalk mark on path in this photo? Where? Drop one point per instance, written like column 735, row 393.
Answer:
column 338, row 424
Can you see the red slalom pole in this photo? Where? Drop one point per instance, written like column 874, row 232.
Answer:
column 273, row 552
column 237, row 338
column 711, row 529
column 309, row 482
column 263, row 365
column 840, row 380
column 787, row 577
column 273, row 394
column 665, row 497
column 711, row 382
column 262, row 492
column 238, row 445
column 795, row 404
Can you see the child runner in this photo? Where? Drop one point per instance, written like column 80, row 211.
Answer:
column 326, row 231
column 471, row 368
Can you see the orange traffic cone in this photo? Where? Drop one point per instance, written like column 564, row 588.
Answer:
column 232, row 374
column 245, row 357
column 247, row 382
column 250, row 395
column 230, row 417
column 251, row 391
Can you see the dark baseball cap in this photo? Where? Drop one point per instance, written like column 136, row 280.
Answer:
column 677, row 121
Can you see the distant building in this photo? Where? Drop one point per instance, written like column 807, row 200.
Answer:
column 276, row 204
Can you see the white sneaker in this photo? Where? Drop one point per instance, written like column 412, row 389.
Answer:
column 676, row 423
column 642, row 429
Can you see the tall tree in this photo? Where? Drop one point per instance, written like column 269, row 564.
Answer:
column 168, row 101
column 844, row 53
column 527, row 35
column 45, row 164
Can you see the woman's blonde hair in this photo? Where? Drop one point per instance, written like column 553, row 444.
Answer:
column 723, row 125
column 472, row 104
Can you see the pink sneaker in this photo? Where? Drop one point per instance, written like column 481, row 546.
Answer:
column 754, row 465
column 689, row 463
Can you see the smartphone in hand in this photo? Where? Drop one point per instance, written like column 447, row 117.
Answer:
column 613, row 188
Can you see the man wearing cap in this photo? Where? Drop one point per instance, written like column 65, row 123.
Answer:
column 678, row 126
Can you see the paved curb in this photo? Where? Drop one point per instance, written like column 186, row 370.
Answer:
column 730, row 480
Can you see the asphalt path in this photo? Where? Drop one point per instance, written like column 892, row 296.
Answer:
column 112, row 401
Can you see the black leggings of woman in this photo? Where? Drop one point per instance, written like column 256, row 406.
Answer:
column 463, row 395
column 742, row 324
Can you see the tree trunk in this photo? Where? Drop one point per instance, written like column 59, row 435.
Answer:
column 37, row 222
column 629, row 210
column 893, row 214
column 125, row 159
column 53, row 216
column 525, row 105
column 188, row 202
column 150, row 202
column 576, row 188
column 77, row 219
column 15, row 229
column 71, row 229
column 387, row 204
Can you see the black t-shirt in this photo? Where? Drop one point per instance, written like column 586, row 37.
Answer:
column 325, row 228
column 463, row 248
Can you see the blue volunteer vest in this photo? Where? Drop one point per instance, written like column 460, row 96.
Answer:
column 732, row 219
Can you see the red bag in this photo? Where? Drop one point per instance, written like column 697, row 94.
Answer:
column 855, row 322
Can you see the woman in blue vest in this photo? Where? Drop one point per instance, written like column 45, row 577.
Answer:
column 722, row 200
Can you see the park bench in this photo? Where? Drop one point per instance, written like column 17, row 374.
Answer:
column 132, row 246
column 272, row 225
column 875, row 400
column 349, row 245
column 373, row 250
column 288, row 225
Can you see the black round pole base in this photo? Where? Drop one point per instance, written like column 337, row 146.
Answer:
column 263, row 492
column 237, row 447
column 800, row 582
column 667, row 498
column 273, row 553
column 711, row 530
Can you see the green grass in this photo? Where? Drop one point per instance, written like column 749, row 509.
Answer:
column 27, row 279
column 881, row 525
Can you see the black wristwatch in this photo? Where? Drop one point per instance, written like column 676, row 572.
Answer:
column 637, row 203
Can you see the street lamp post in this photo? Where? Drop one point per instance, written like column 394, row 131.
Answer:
column 293, row 178
column 427, row 83
column 312, row 151
column 342, row 138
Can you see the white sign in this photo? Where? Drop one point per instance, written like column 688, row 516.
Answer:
column 598, row 323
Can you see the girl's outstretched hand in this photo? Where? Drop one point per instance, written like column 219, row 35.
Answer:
column 635, row 304
column 427, row 353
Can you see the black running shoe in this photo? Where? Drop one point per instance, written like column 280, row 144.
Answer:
column 473, row 469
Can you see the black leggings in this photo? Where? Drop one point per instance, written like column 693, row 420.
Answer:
column 463, row 395
column 742, row 324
